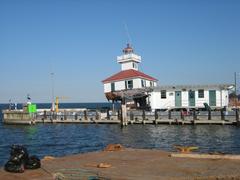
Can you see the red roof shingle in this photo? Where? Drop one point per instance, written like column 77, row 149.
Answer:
column 127, row 74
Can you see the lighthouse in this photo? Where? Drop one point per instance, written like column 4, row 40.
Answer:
column 129, row 60
column 130, row 80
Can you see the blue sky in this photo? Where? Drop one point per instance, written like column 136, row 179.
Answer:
column 180, row 41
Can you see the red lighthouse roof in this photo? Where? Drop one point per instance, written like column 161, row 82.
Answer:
column 128, row 49
column 128, row 74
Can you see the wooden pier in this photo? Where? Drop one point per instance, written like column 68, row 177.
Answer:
column 84, row 116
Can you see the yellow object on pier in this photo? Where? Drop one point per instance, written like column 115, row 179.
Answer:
column 57, row 102
column 186, row 149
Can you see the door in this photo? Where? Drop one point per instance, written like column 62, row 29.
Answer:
column 178, row 98
column 191, row 98
column 212, row 98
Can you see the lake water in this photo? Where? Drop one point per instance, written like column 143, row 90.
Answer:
column 65, row 139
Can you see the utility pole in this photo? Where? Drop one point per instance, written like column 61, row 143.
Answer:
column 53, row 98
column 235, row 82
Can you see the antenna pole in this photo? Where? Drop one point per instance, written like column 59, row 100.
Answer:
column 127, row 33
column 235, row 83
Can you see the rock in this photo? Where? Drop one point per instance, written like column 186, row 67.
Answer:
column 114, row 147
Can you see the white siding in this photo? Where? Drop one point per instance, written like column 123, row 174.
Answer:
column 184, row 98
column 157, row 103
column 218, row 98
column 107, row 87
column 129, row 65
column 155, row 100
column 147, row 83
column 222, row 98
column 225, row 97
column 171, row 97
column 119, row 85
column 137, row 83
column 199, row 101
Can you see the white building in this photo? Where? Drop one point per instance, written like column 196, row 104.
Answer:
column 160, row 97
column 190, row 96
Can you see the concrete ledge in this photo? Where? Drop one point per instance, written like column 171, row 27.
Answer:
column 133, row 164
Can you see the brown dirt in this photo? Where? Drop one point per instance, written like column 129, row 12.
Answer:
column 132, row 164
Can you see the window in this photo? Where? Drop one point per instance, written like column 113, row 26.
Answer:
column 112, row 87
column 191, row 94
column 163, row 94
column 143, row 83
column 134, row 65
column 129, row 84
column 151, row 83
column 201, row 93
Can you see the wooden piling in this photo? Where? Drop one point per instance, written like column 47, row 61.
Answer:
column 131, row 116
column 45, row 114
column 237, row 117
column 65, row 115
column 119, row 115
column 108, row 114
column 97, row 115
column 143, row 115
column 156, row 115
column 124, row 115
column 182, row 115
column 222, row 114
column 209, row 115
column 194, row 115
column 85, row 115
column 113, row 106
column 169, row 114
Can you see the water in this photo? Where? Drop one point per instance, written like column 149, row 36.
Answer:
column 65, row 139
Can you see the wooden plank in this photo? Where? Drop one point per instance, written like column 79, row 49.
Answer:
column 206, row 156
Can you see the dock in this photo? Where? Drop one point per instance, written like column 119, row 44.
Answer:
column 86, row 116
column 134, row 164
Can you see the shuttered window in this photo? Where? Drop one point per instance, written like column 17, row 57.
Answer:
column 143, row 83
column 112, row 87
column 201, row 93
column 163, row 94
column 129, row 84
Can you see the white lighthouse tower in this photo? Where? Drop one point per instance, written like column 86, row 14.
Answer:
column 129, row 77
column 129, row 60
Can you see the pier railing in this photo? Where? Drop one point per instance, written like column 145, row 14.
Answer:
column 132, row 117
column 86, row 115
column 184, row 117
